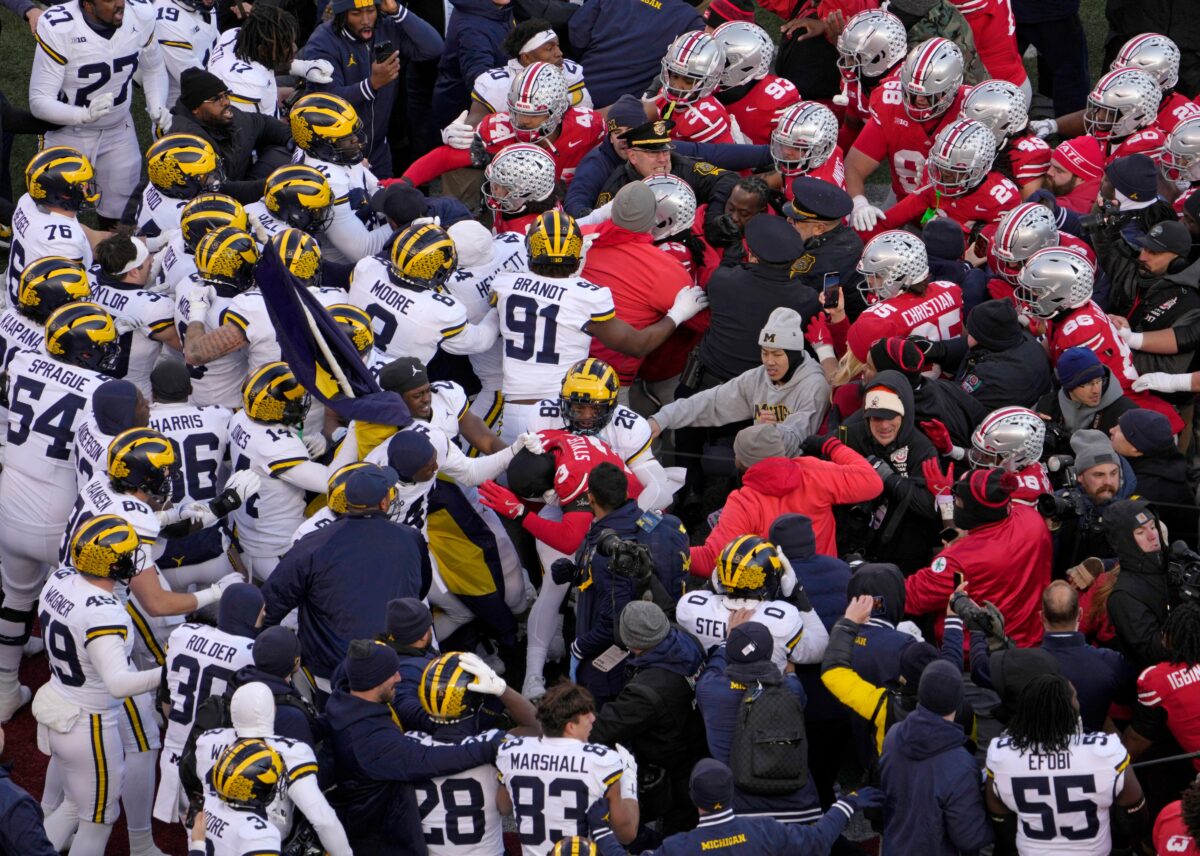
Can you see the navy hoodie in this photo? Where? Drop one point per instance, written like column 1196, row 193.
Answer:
column 934, row 802
column 876, row 653
column 474, row 36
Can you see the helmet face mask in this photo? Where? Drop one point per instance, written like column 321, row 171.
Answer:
column 300, row 196
column 930, row 79
column 1011, row 438
column 871, row 44
column 1121, row 103
column 748, row 567
column 537, row 102
column 588, row 397
column 890, row 262
column 1053, row 280
column 803, row 138
column 1020, row 233
column 519, row 174
column 328, row 128
column 62, row 177
column 692, row 68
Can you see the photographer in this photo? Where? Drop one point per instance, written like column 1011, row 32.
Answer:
column 1141, row 594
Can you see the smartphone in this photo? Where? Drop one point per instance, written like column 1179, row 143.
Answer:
column 832, row 284
column 958, row 579
column 383, row 50
column 877, row 605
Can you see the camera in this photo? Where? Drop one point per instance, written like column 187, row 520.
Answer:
column 1183, row 570
column 1066, row 505
column 625, row 558
column 1108, row 215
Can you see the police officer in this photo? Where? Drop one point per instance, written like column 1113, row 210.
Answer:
column 831, row 247
column 651, row 152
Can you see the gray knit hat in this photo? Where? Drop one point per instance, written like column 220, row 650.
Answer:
column 634, row 207
column 1092, row 448
column 783, row 331
column 643, row 625
column 759, row 442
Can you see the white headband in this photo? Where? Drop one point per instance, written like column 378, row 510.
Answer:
column 139, row 258
column 537, row 41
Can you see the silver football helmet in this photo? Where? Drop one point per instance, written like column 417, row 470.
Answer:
column 675, row 208
column 1181, row 152
column 890, row 263
column 518, row 174
column 1121, row 103
column 871, row 44
column 804, row 138
column 1154, row 54
column 961, row 156
column 1052, row 280
column 697, row 57
column 537, row 101
column 1011, row 438
column 748, row 52
column 998, row 105
column 930, row 78
column 1020, row 233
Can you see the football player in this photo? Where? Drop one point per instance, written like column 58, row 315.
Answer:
column 1180, row 164
column 225, row 260
column 1012, row 438
column 186, row 32
column 994, row 28
column 206, row 212
column 296, row 197
column 411, row 314
column 330, row 138
column 45, row 285
column 81, row 80
column 518, row 185
column 552, row 780
column 1121, row 113
column 48, row 392
column 59, row 184
column 200, row 434
column 1003, row 108
column 179, row 167
column 906, row 114
column 549, row 315
column 249, row 775
column 356, row 324
column 804, row 142
column 691, row 71
column 754, row 97
column 1019, row 234
column 752, row 574
column 1043, row 754
column 89, row 640
column 901, row 298
column 870, row 49
column 959, row 182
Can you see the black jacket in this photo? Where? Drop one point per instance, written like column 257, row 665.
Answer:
column 1017, row 373
column 236, row 144
column 711, row 184
column 945, row 400
column 21, row 821
column 837, row 251
column 1141, row 596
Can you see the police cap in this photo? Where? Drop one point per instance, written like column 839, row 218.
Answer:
column 773, row 240
column 654, row 136
column 814, row 199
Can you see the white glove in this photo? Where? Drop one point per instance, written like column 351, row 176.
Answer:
column 199, row 512
column 211, row 594
column 531, row 441
column 1130, row 338
column 865, row 215
column 159, row 241
column 689, row 302
column 435, row 220
column 911, row 629
column 161, row 117
column 169, row 516
column 486, row 682
column 313, row 70
column 1163, row 382
column 787, row 582
column 244, row 483
column 458, row 134
column 316, row 444
column 199, row 299
column 260, row 231
column 629, row 777
column 1044, row 127
column 101, row 105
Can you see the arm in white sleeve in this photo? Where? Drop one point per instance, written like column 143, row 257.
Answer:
column 347, row 452
column 811, row 647
column 155, row 81
column 473, row 471
column 107, row 654
column 657, row 491
column 350, row 235
column 474, row 338
column 45, row 81
column 307, row 796
column 309, row 476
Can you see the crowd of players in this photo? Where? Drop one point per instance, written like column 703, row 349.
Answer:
column 286, row 629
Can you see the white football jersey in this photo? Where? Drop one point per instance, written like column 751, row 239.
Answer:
column 185, row 38
column 158, row 214
column 138, row 315
column 355, row 232
column 408, row 322
column 201, row 438
column 544, row 322
column 491, row 86
column 18, row 333
column 73, row 612
column 236, row 832
column 257, row 213
column 552, row 781
column 705, row 615
column 47, row 402
column 91, row 449
column 201, row 661
column 458, row 813
column 248, row 312
column 177, row 266
column 37, row 234
column 1061, row 799
column 220, row 381
column 627, row 433
column 264, row 525
column 252, row 86
column 311, row 524
column 472, row 287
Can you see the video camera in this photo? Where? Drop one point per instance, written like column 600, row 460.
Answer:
column 626, row 558
column 1064, row 505
column 1109, row 215
column 1183, row 570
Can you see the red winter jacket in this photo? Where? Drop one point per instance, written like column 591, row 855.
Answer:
column 776, row 486
column 1007, row 563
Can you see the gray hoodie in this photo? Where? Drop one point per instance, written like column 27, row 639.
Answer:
column 799, row 404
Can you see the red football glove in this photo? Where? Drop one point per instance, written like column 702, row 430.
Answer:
column 937, row 433
column 501, row 500
column 939, row 483
column 817, row 332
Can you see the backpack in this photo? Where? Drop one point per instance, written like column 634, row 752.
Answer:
column 769, row 755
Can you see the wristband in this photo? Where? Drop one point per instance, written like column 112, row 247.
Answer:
column 1134, row 340
column 206, row 596
column 824, row 352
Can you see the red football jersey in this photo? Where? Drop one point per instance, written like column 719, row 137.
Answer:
column 995, row 195
column 1032, row 482
column 1088, row 327
column 1175, row 108
column 1183, row 197
column 890, row 135
column 995, row 37
column 575, row 456
column 1171, row 834
column 1148, row 141
column 999, row 288
column 1030, row 158
column 1175, row 689
column 759, row 109
column 581, row 131
column 936, row 314
column 706, row 121
column 833, row 171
